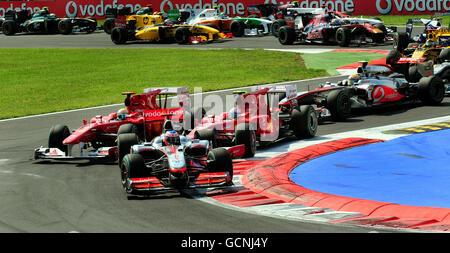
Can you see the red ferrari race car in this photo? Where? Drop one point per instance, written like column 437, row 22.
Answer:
column 372, row 86
column 143, row 115
column 173, row 161
column 256, row 120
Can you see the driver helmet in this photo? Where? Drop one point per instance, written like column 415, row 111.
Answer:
column 233, row 113
column 335, row 21
column 354, row 78
column 122, row 113
column 171, row 137
column 429, row 43
column 45, row 10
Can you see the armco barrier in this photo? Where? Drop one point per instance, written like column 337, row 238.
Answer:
column 96, row 8
column 270, row 178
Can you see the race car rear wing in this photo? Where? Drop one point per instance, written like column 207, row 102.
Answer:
column 307, row 10
column 289, row 90
column 428, row 23
column 181, row 92
column 168, row 90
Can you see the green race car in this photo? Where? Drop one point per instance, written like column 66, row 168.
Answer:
column 22, row 21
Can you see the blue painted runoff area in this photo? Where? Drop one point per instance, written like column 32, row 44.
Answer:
column 411, row 170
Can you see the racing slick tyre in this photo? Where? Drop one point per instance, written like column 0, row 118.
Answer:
column 401, row 41
column 338, row 102
column 444, row 55
column 381, row 26
column 206, row 134
column 237, row 28
column 199, row 113
column 413, row 74
column 119, row 35
column 182, row 35
column 56, row 137
column 244, row 135
column 378, row 38
column 124, row 144
column 108, row 25
column 343, row 37
column 220, row 161
column 128, row 128
column 65, row 26
column 392, row 57
column 286, row 35
column 431, row 90
column 304, row 121
column 51, row 26
column 9, row 27
column 276, row 25
column 92, row 26
column 132, row 166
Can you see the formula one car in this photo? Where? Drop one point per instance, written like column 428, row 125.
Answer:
column 173, row 162
column 181, row 34
column 44, row 22
column 373, row 86
column 294, row 17
column 142, row 17
column 435, row 49
column 403, row 39
column 124, row 18
column 238, row 26
column 142, row 115
column 334, row 27
column 23, row 22
column 256, row 120
column 70, row 25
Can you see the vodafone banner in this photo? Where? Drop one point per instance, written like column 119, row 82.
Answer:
column 85, row 8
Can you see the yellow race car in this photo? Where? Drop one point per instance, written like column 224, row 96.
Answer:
column 141, row 18
column 436, row 49
column 179, row 33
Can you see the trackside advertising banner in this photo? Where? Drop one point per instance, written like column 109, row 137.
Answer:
column 85, row 8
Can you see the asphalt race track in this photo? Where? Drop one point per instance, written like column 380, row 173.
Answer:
column 88, row 198
column 100, row 39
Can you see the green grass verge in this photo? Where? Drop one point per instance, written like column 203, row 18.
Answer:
column 38, row 81
column 46, row 80
column 332, row 60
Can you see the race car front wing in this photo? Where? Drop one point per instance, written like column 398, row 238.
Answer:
column 107, row 153
column 204, row 180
